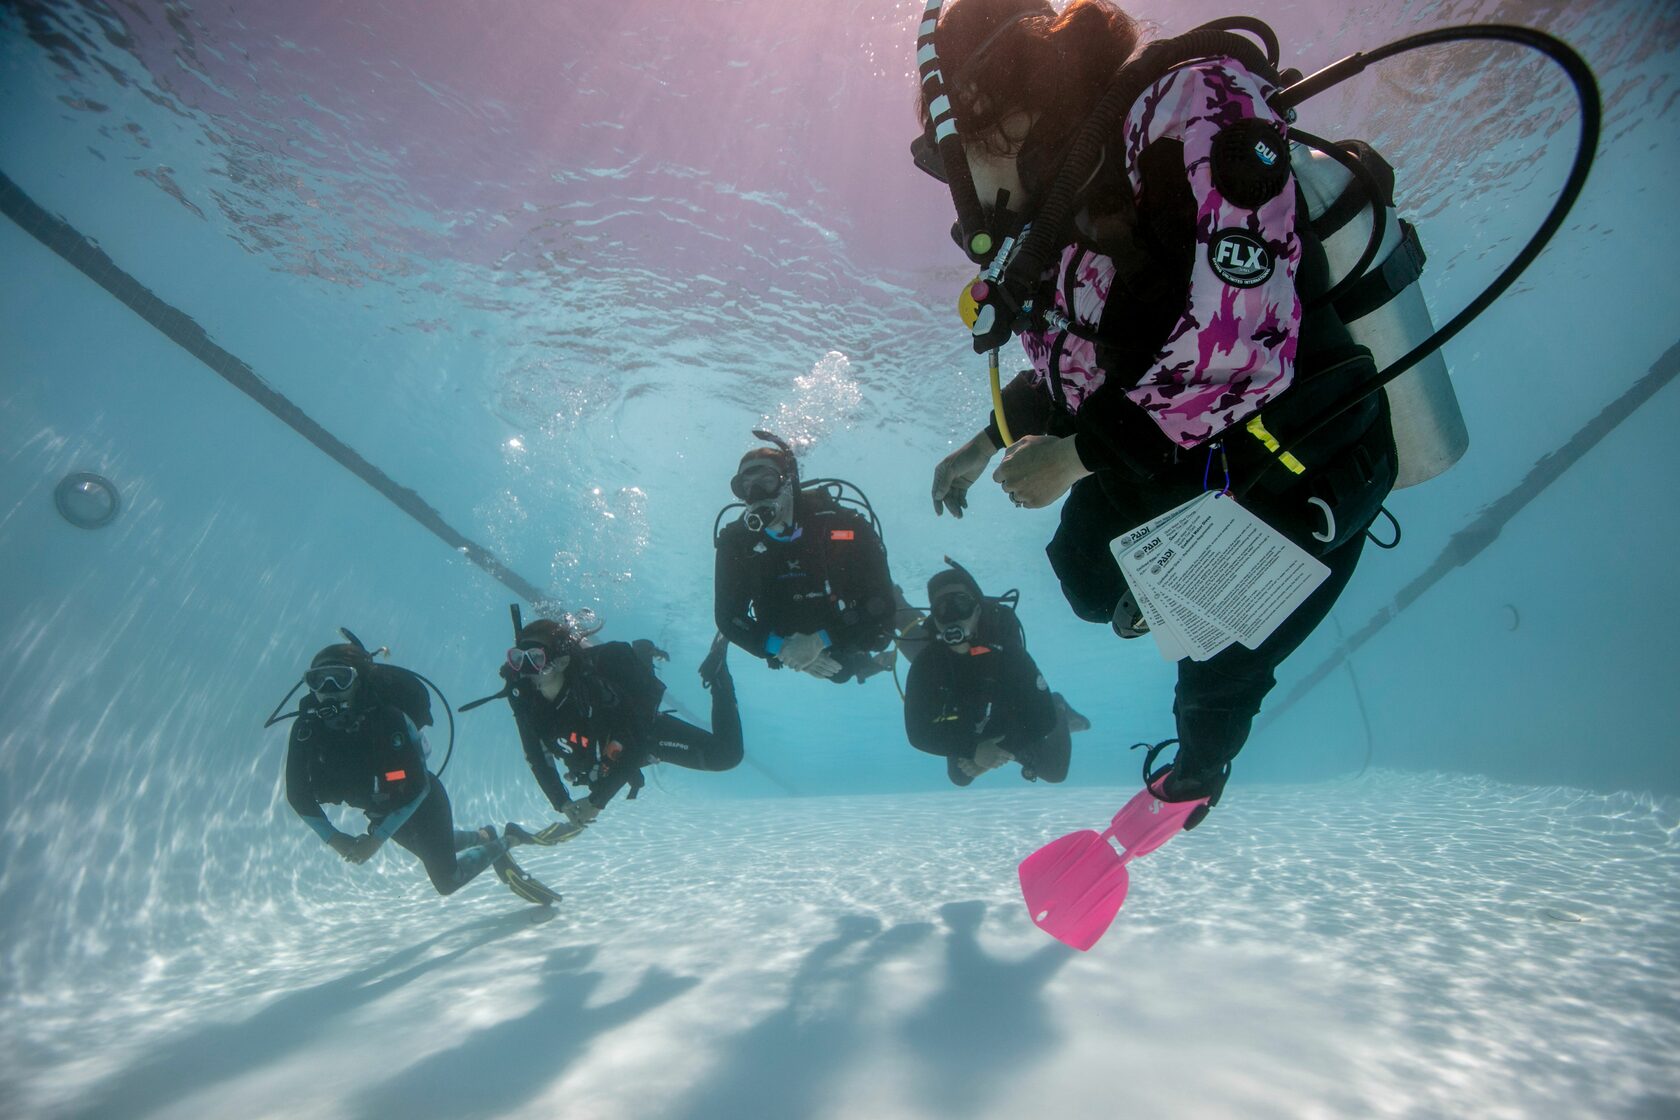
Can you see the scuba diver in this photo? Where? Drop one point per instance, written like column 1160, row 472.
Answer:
column 1159, row 233
column 801, row 577
column 357, row 741
column 976, row 696
column 593, row 712
column 1182, row 323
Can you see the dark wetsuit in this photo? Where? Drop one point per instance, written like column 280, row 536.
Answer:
column 953, row 701
column 606, row 725
column 1139, row 473
column 830, row 578
column 375, row 761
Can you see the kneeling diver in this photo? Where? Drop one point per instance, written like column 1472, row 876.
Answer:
column 976, row 696
column 357, row 741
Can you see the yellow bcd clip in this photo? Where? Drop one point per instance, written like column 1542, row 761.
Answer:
column 967, row 306
column 1257, row 429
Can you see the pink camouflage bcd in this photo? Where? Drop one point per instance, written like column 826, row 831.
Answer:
column 1232, row 349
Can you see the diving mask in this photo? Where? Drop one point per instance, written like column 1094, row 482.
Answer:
column 760, row 486
column 757, row 482
column 527, row 660
column 335, row 679
column 954, row 613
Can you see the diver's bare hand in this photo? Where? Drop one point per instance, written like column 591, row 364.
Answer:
column 1037, row 470
column 958, row 471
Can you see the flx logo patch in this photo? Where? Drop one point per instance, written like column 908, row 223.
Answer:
column 1240, row 259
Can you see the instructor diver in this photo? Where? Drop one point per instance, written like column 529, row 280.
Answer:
column 1181, row 325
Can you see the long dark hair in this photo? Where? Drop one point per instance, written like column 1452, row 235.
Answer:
column 1053, row 66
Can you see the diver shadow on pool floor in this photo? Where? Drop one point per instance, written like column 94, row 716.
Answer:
column 495, row 1070
column 220, row 1052
column 986, row 1023
column 781, row 1069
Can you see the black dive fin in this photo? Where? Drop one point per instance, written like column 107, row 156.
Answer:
column 523, row 884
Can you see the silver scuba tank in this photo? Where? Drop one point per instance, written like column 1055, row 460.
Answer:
column 1385, row 313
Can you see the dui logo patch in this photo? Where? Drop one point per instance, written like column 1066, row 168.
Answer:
column 1240, row 259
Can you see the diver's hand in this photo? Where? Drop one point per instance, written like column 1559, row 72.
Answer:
column 989, row 755
column 650, row 651
column 1036, row 470
column 801, row 651
column 824, row 666
column 958, row 471
column 361, row 848
column 581, row 811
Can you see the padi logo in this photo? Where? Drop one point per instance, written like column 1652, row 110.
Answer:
column 1265, row 153
column 1240, row 258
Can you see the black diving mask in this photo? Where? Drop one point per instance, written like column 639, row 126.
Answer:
column 760, row 483
column 760, row 487
column 953, row 613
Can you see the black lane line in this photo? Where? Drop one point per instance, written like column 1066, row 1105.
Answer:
column 68, row 242
column 1469, row 542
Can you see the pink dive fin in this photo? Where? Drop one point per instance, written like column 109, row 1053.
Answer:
column 1074, row 886
column 1147, row 822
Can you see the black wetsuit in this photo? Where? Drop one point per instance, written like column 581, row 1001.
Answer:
column 606, row 725
column 829, row 578
column 1138, row 473
column 375, row 761
column 953, row 701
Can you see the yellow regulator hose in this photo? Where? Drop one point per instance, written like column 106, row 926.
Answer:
column 969, row 310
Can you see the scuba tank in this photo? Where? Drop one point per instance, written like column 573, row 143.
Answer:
column 1383, row 306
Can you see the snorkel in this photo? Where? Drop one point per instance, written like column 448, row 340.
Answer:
column 943, row 139
column 939, row 152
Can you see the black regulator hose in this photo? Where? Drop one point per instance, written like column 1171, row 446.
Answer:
column 1257, row 28
column 1586, row 91
column 450, row 752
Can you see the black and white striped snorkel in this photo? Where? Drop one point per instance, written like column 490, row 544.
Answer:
column 976, row 238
